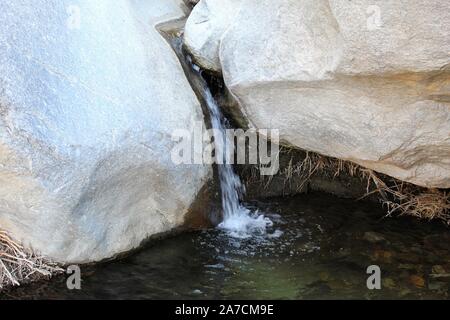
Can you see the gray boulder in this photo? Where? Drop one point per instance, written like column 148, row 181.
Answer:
column 90, row 94
column 364, row 81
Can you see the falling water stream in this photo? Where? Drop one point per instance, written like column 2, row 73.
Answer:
column 238, row 220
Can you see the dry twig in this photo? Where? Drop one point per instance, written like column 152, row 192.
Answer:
column 18, row 265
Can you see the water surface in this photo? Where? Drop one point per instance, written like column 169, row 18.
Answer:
column 318, row 248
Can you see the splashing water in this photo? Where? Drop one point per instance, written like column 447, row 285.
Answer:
column 238, row 221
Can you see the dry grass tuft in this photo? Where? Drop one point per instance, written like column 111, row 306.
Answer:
column 18, row 265
column 406, row 199
column 314, row 164
column 400, row 198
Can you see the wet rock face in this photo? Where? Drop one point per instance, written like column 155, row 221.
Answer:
column 362, row 81
column 90, row 94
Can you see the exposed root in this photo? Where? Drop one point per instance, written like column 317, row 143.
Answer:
column 18, row 265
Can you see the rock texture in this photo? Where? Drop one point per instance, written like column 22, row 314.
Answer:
column 207, row 23
column 90, row 94
column 364, row 81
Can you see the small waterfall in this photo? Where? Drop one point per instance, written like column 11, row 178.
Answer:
column 237, row 219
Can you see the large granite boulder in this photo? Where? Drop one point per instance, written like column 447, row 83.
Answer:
column 365, row 81
column 90, row 94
